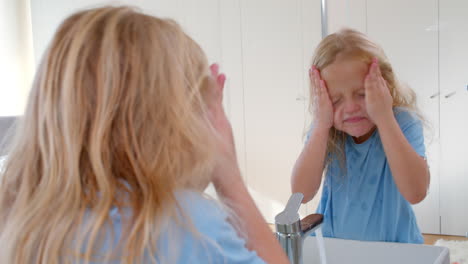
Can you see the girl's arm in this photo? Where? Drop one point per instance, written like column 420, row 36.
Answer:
column 260, row 238
column 307, row 173
column 410, row 171
column 229, row 185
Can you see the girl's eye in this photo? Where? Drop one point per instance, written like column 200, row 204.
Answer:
column 336, row 101
column 362, row 95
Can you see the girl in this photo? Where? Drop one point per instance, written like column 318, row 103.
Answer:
column 123, row 131
column 368, row 139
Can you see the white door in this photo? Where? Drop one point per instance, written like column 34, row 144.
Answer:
column 454, row 116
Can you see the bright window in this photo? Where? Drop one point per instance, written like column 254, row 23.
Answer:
column 16, row 56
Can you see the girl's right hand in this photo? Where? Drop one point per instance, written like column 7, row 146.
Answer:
column 322, row 105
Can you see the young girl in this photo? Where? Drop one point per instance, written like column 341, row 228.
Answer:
column 123, row 131
column 368, row 139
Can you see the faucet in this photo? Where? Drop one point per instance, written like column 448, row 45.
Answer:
column 291, row 230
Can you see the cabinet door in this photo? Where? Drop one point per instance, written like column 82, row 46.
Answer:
column 454, row 116
column 278, row 38
column 407, row 32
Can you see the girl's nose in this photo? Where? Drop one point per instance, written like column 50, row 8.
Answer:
column 351, row 107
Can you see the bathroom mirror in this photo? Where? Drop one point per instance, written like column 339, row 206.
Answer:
column 265, row 48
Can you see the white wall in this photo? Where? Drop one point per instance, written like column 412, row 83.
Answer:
column 278, row 39
column 16, row 56
column 347, row 13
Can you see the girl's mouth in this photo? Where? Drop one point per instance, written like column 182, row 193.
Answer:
column 354, row 119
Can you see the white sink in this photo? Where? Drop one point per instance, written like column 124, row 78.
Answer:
column 340, row 251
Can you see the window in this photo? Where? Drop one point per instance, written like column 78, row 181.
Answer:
column 16, row 56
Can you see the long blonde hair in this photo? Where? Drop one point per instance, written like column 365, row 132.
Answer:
column 356, row 45
column 116, row 118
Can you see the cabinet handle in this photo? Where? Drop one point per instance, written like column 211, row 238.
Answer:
column 434, row 95
column 450, row 94
column 300, row 98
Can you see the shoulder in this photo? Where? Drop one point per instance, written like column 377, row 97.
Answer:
column 200, row 208
column 406, row 117
column 206, row 214
column 218, row 236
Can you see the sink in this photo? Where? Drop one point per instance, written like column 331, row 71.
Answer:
column 340, row 251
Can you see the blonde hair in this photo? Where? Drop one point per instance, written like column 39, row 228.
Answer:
column 352, row 44
column 117, row 117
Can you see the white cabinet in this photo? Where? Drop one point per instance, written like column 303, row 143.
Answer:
column 454, row 116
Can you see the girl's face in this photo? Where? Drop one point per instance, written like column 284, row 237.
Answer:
column 345, row 82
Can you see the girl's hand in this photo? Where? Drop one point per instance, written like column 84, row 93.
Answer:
column 379, row 101
column 226, row 156
column 322, row 105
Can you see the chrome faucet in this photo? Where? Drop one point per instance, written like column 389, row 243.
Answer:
column 291, row 230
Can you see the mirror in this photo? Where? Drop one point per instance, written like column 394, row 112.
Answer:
column 265, row 47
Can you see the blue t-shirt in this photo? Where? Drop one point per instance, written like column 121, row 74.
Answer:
column 219, row 242
column 365, row 204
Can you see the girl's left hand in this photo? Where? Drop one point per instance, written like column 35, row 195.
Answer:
column 379, row 101
column 226, row 161
column 217, row 116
